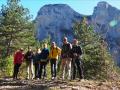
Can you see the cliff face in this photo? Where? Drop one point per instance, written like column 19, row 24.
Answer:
column 106, row 21
column 57, row 20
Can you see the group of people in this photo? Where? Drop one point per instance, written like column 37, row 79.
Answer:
column 36, row 61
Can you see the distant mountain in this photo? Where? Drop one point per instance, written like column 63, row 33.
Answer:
column 106, row 21
column 57, row 20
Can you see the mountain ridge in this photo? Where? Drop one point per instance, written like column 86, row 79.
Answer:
column 57, row 20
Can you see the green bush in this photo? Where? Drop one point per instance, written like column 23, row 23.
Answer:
column 6, row 66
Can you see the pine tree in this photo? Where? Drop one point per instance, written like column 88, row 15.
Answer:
column 96, row 58
column 16, row 27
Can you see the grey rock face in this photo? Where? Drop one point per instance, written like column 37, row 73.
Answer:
column 106, row 21
column 57, row 21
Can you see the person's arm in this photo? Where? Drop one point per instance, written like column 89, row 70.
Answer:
column 14, row 58
column 48, row 53
column 23, row 57
column 47, row 56
column 32, row 55
column 39, row 56
column 59, row 51
column 79, row 51
column 69, row 51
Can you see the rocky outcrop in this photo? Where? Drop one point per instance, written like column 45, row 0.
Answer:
column 57, row 20
column 106, row 21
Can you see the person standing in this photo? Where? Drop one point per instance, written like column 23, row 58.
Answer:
column 18, row 59
column 29, row 63
column 36, row 61
column 66, row 59
column 76, row 60
column 53, row 56
column 43, row 61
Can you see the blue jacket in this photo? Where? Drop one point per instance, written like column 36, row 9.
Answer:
column 37, row 57
column 44, row 53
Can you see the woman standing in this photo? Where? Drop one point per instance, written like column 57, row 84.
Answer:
column 36, row 62
column 18, row 59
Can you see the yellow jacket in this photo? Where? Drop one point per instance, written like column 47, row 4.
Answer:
column 54, row 53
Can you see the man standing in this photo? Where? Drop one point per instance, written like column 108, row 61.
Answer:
column 66, row 60
column 76, row 61
column 53, row 55
column 29, row 63
column 36, row 62
column 43, row 61
column 18, row 59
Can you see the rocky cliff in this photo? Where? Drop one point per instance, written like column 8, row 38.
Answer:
column 106, row 21
column 57, row 20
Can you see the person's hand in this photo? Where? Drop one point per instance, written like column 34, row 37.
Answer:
column 75, row 54
column 23, row 60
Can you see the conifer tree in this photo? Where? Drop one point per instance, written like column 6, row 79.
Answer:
column 96, row 58
column 16, row 27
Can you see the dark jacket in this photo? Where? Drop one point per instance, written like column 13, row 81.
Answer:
column 44, row 54
column 66, row 48
column 29, row 56
column 76, row 49
column 36, row 57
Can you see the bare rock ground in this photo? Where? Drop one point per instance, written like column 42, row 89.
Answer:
column 9, row 84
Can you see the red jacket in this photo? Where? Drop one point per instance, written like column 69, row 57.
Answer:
column 18, row 57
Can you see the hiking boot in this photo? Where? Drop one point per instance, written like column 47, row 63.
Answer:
column 81, row 80
column 18, row 79
column 52, row 78
column 27, row 78
column 14, row 78
column 32, row 78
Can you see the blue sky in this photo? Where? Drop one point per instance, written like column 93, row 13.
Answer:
column 82, row 6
